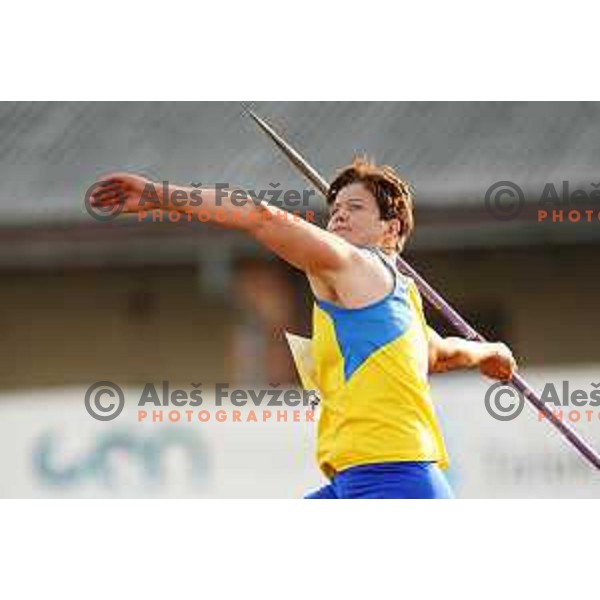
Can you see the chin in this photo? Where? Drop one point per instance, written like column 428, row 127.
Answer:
column 345, row 235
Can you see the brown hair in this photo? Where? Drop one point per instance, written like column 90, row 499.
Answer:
column 393, row 194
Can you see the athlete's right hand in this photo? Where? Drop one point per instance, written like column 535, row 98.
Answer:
column 125, row 190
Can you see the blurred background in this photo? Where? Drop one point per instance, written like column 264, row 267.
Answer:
column 83, row 301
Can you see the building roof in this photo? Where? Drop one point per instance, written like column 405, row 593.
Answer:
column 452, row 152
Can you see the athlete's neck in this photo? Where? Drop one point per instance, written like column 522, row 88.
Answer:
column 393, row 254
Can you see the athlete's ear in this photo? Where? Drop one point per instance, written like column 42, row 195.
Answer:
column 392, row 228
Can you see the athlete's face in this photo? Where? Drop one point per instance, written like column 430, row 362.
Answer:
column 354, row 215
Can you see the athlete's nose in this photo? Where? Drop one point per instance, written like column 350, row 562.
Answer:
column 340, row 217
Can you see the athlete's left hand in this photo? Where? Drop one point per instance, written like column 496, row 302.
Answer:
column 498, row 362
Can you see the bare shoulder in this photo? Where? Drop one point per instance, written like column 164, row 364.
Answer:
column 364, row 281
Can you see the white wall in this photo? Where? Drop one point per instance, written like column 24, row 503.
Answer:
column 51, row 447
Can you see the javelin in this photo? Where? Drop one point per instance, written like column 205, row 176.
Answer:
column 435, row 299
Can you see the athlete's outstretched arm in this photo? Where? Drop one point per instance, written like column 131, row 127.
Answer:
column 300, row 243
column 493, row 359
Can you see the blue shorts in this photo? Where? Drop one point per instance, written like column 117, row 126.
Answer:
column 387, row 480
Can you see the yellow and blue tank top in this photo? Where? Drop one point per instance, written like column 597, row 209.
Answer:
column 370, row 365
